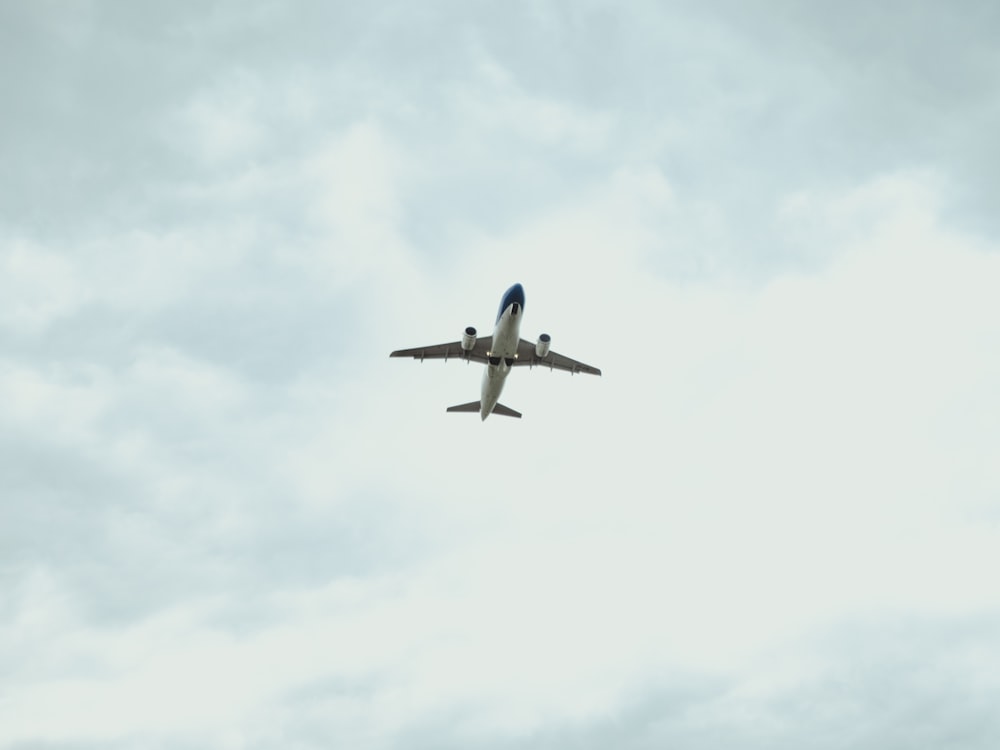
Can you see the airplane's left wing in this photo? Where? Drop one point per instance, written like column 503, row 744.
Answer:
column 453, row 350
column 526, row 356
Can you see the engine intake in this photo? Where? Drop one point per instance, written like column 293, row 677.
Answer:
column 469, row 339
column 542, row 347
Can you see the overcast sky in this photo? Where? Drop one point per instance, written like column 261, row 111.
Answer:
column 229, row 520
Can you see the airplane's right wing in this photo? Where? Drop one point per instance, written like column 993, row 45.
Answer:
column 453, row 350
column 526, row 356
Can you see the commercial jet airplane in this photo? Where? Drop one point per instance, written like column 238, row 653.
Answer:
column 501, row 352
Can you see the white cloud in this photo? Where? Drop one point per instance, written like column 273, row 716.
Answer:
column 225, row 120
column 495, row 104
column 758, row 462
column 358, row 176
column 38, row 286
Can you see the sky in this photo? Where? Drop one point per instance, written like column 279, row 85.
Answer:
column 228, row 519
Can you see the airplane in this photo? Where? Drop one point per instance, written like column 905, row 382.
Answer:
column 501, row 352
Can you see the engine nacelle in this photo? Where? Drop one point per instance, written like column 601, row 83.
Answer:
column 542, row 347
column 469, row 339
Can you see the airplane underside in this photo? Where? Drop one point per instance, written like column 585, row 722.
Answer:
column 500, row 352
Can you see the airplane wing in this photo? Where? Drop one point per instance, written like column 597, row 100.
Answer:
column 453, row 350
column 526, row 356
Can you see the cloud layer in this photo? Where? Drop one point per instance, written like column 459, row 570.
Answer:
column 227, row 518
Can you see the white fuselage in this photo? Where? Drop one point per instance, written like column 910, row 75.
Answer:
column 506, row 336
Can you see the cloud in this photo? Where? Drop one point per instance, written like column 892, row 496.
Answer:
column 38, row 287
column 226, row 516
column 225, row 121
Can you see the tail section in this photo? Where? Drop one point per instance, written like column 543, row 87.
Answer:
column 476, row 406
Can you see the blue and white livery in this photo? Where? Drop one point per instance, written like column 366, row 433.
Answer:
column 501, row 352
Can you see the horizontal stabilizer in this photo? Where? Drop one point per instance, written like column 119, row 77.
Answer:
column 475, row 406
column 472, row 406
column 506, row 411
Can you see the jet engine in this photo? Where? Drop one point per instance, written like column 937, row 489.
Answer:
column 469, row 339
column 542, row 347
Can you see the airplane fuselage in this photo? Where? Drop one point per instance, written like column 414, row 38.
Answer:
column 506, row 336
